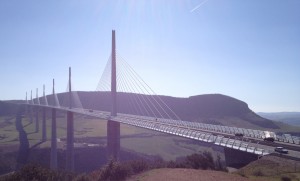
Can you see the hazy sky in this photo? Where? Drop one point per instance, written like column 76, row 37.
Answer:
column 247, row 49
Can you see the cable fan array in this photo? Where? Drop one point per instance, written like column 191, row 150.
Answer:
column 133, row 94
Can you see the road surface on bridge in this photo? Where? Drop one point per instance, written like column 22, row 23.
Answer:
column 186, row 129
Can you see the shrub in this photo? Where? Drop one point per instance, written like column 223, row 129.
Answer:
column 158, row 163
column 285, row 178
column 197, row 161
column 241, row 173
column 258, row 173
column 34, row 172
column 138, row 166
column 219, row 165
column 114, row 171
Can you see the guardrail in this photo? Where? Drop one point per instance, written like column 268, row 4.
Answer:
column 286, row 138
column 194, row 134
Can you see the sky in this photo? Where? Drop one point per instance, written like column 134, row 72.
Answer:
column 246, row 49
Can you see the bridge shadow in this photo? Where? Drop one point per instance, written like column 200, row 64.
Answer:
column 27, row 124
column 33, row 132
column 36, row 145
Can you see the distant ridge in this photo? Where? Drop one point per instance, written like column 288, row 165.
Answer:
column 292, row 118
column 208, row 108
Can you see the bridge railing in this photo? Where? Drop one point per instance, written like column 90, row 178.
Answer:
column 246, row 132
column 287, row 138
column 193, row 134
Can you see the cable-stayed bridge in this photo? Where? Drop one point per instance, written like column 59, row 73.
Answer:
column 144, row 109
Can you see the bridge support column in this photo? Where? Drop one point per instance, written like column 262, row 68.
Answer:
column 113, row 139
column 53, row 157
column 70, row 142
column 31, row 108
column 70, row 131
column 237, row 158
column 44, row 130
column 31, row 114
column 37, row 120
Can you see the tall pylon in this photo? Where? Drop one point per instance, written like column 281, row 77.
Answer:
column 26, row 107
column 31, row 97
column 26, row 99
column 113, row 75
column 113, row 128
column 37, row 97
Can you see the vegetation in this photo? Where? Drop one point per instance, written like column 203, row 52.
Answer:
column 272, row 168
column 114, row 170
column 38, row 173
column 138, row 139
column 133, row 139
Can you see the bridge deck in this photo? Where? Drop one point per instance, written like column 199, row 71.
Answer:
column 220, row 135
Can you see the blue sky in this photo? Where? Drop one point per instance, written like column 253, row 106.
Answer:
column 246, row 49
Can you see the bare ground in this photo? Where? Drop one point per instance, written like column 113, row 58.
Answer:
column 181, row 174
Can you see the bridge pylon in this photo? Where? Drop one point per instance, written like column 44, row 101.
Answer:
column 113, row 128
column 26, row 99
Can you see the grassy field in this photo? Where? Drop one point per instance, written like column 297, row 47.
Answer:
column 8, row 133
column 132, row 138
column 139, row 140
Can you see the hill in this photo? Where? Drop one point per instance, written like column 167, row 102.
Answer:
column 7, row 109
column 210, row 108
column 292, row 118
column 266, row 168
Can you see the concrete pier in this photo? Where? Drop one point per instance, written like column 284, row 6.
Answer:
column 44, row 126
column 70, row 142
column 44, row 130
column 237, row 158
column 37, row 119
column 53, row 161
column 31, row 108
column 37, row 109
column 70, row 131
column 53, row 156
column 113, row 139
